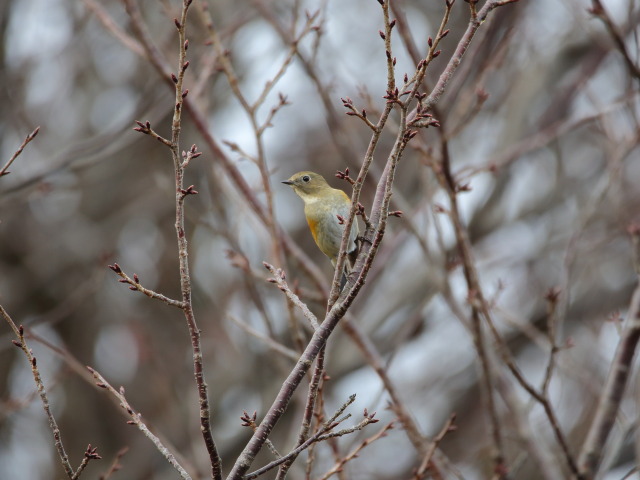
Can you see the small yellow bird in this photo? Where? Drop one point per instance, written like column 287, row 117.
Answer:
column 322, row 206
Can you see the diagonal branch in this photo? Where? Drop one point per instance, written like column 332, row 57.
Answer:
column 134, row 284
column 463, row 45
column 28, row 138
column 53, row 425
column 322, row 434
column 136, row 419
column 598, row 10
column 280, row 280
column 611, row 397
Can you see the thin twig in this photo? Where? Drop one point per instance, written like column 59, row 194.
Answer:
column 134, row 284
column 363, row 267
column 136, row 419
column 17, row 153
column 552, row 303
column 324, row 433
column 598, row 10
column 145, row 127
column 339, row 466
column 448, row 427
column 110, row 24
column 461, row 48
column 250, row 421
column 473, row 290
column 115, row 465
column 280, row 280
column 270, row 342
column 91, row 453
column 374, row 359
column 53, row 425
column 185, row 278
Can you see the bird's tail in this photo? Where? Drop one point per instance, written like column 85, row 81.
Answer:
column 348, row 266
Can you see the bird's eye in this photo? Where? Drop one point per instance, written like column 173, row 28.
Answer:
column 306, row 178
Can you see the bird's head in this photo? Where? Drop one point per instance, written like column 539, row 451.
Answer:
column 307, row 184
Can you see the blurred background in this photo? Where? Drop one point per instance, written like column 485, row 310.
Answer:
column 541, row 120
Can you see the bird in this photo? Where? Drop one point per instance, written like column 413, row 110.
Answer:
column 326, row 209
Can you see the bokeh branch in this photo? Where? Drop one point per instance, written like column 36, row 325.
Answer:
column 611, row 396
column 598, row 10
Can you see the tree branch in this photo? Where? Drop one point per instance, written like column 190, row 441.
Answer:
column 53, row 425
column 28, row 138
column 136, row 419
column 611, row 397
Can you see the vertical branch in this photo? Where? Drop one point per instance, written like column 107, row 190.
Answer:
column 552, row 302
column 480, row 308
column 475, row 298
column 181, row 193
column 185, row 278
column 368, row 158
column 591, row 452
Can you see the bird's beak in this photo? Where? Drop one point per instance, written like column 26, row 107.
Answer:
column 288, row 182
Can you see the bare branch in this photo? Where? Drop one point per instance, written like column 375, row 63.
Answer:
column 339, row 466
column 461, row 49
column 179, row 166
column 136, row 419
column 611, row 397
column 448, row 427
column 115, row 465
column 134, row 284
column 270, row 342
column 323, row 434
column 53, row 425
column 598, row 10
column 28, row 138
column 280, row 280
